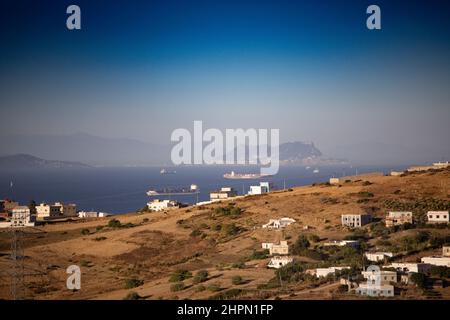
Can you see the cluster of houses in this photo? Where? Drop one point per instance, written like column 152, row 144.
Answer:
column 380, row 282
column 394, row 218
column 13, row 214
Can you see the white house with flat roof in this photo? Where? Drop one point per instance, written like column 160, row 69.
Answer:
column 88, row 214
column 21, row 217
column 160, row 205
column 263, row 187
column 379, row 277
column 378, row 256
column 279, row 261
column 342, row 243
column 409, row 267
column 222, row 194
column 355, row 220
column 281, row 248
column 278, row 223
column 396, row 218
column 385, row 290
column 437, row 217
column 437, row 261
column 323, row 272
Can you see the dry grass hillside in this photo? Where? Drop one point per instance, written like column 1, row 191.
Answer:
column 143, row 252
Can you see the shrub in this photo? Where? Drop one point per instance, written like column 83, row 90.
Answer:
column 300, row 245
column 419, row 279
column 180, row 275
column 214, row 288
column 114, row 223
column 177, row 287
column 231, row 229
column 201, row 276
column 85, row 232
column 228, row 294
column 200, row 288
column 145, row 220
column 100, row 238
column 133, row 283
column 261, row 254
column 195, row 233
column 229, row 210
column 236, row 280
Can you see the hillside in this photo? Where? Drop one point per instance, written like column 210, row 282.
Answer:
column 146, row 249
column 26, row 161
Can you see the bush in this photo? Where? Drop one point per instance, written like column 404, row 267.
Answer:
column 133, row 283
column 229, row 210
column 177, row 287
column 114, row 223
column 258, row 255
column 214, row 288
column 195, row 233
column 100, row 238
column 300, row 245
column 180, row 275
column 231, row 229
column 440, row 271
column 228, row 294
column 85, row 232
column 237, row 280
column 145, row 220
column 419, row 279
column 201, row 276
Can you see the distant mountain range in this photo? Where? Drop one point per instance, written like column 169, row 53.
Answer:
column 26, row 161
column 81, row 148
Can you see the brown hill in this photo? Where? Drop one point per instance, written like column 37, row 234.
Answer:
column 150, row 247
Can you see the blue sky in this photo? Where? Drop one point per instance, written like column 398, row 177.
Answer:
column 310, row 68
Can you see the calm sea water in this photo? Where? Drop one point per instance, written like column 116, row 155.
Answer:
column 121, row 190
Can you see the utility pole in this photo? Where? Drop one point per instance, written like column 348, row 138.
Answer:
column 17, row 267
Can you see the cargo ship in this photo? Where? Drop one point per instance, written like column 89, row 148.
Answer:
column 165, row 171
column 234, row 175
column 193, row 189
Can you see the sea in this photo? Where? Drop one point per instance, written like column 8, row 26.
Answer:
column 119, row 190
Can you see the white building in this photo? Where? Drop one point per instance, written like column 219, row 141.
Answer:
column 378, row 256
column 379, row 277
column 57, row 210
column 440, row 164
column 45, row 211
column 355, row 220
column 222, row 194
column 409, row 267
column 397, row 173
column 323, row 272
column 274, row 248
column 437, row 216
column 279, row 261
column 335, row 181
column 160, row 205
column 263, row 187
column 342, row 243
column 396, row 218
column 278, row 223
column 385, row 290
column 437, row 261
column 88, row 214
column 21, row 217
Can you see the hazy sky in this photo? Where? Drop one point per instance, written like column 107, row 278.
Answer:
column 310, row 68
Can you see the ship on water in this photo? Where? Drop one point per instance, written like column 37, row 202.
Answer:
column 234, row 175
column 193, row 189
column 165, row 171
